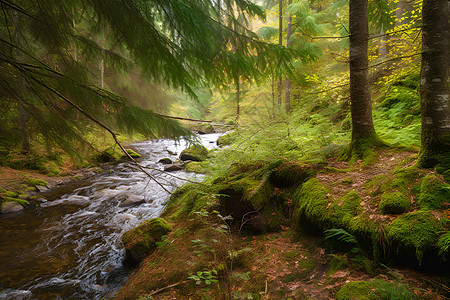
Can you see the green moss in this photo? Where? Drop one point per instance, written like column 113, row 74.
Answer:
column 433, row 191
column 311, row 201
column 361, row 148
column 194, row 153
column 288, row 174
column 376, row 289
column 414, row 232
column 227, row 139
column 196, row 167
column 394, row 203
column 35, row 182
column 10, row 194
column 341, row 211
column 140, row 241
column 347, row 181
column 362, row 290
column 132, row 153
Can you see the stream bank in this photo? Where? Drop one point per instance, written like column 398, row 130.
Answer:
column 256, row 233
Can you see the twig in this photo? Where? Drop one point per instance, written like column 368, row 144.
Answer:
column 167, row 287
column 394, row 59
column 242, row 221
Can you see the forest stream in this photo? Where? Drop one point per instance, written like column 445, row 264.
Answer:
column 70, row 246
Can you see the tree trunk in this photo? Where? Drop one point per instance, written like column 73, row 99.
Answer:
column 238, row 100
column 434, row 90
column 363, row 131
column 287, row 83
column 361, row 104
column 280, row 42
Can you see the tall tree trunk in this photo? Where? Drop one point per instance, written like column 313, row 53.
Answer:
column 363, row 131
column 273, row 94
column 434, row 90
column 287, row 83
column 238, row 100
column 280, row 42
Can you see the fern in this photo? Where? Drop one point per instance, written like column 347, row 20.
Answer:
column 340, row 235
column 444, row 244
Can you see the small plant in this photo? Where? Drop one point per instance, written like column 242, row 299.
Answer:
column 444, row 244
column 206, row 276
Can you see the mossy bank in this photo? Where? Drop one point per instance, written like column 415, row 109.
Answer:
column 255, row 232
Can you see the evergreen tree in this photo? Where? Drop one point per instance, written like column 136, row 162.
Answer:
column 60, row 43
column 434, row 85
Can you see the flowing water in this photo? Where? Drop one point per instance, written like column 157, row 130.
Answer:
column 69, row 247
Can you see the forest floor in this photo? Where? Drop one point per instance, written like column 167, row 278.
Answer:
column 289, row 264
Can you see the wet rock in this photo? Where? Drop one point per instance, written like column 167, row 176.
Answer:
column 11, row 207
column 166, row 161
column 141, row 241
column 174, row 167
column 132, row 200
column 40, row 199
column 41, row 188
column 194, row 153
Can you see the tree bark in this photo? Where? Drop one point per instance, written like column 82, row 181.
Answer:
column 434, row 89
column 280, row 42
column 287, row 82
column 361, row 104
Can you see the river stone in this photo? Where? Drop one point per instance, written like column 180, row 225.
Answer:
column 194, row 153
column 141, row 241
column 41, row 188
column 132, row 200
column 166, row 161
column 174, row 167
column 11, row 207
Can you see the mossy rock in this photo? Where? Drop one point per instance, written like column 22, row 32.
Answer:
column 36, row 182
column 132, row 153
column 194, row 153
column 227, row 139
column 376, row 289
column 10, row 194
column 433, row 191
column 412, row 234
column 311, row 201
column 394, row 203
column 196, row 167
column 108, row 155
column 246, row 198
column 166, row 161
column 141, row 241
column 343, row 210
column 289, row 174
column 205, row 128
column 361, row 290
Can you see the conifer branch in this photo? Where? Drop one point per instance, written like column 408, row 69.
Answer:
column 90, row 117
column 394, row 59
column 394, row 32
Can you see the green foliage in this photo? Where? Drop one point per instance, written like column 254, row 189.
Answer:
column 206, row 276
column 35, row 182
column 394, row 203
column 444, row 244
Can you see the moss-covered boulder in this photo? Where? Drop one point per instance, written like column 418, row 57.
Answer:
column 227, row 139
column 194, row 153
column 433, row 191
column 375, row 289
column 10, row 206
column 341, row 211
column 205, row 128
column 249, row 201
column 141, row 241
column 311, row 201
column 196, row 167
column 288, row 174
column 166, row 161
column 394, row 203
column 131, row 153
column 411, row 235
column 361, row 290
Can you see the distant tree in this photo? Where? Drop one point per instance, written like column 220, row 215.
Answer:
column 434, row 85
column 287, row 83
